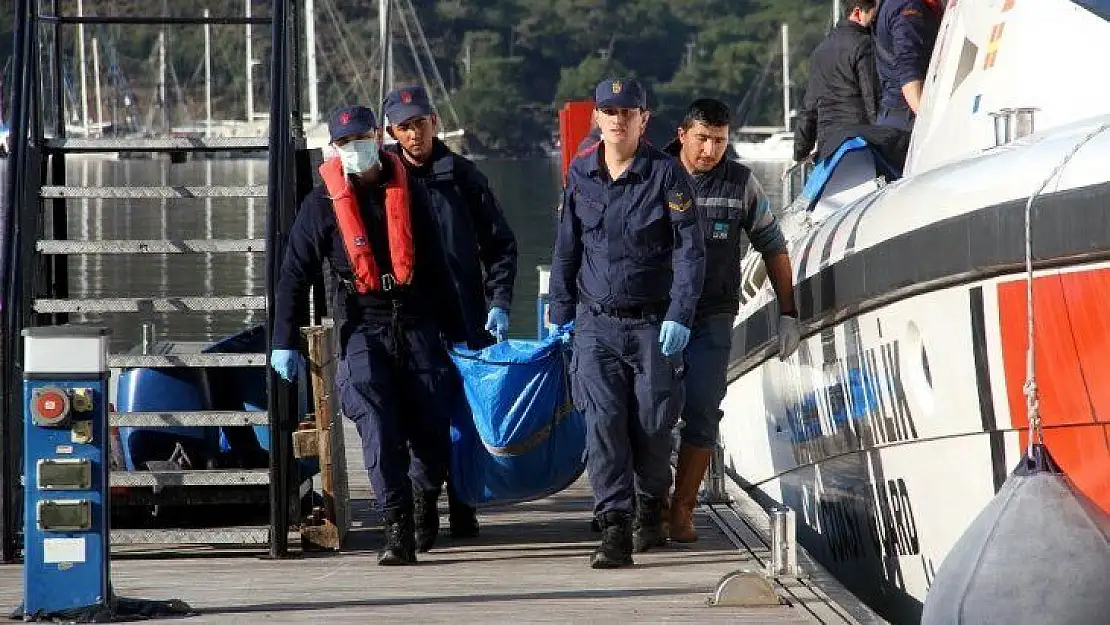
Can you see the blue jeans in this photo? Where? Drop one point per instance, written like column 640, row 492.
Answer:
column 706, row 364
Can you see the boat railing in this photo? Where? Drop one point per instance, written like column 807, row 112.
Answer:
column 794, row 180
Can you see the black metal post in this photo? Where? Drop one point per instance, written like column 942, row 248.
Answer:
column 11, row 437
column 57, row 266
column 56, row 76
column 282, row 396
column 295, row 67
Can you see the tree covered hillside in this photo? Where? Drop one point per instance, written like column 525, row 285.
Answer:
column 508, row 64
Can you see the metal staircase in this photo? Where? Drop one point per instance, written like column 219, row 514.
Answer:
column 34, row 254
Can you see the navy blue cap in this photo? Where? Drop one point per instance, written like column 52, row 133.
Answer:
column 620, row 93
column 405, row 103
column 351, row 120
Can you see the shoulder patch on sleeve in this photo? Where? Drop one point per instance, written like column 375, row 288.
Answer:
column 678, row 200
column 910, row 12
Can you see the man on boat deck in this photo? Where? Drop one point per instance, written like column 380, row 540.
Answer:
column 481, row 255
column 627, row 268
column 374, row 226
column 842, row 84
column 731, row 201
column 905, row 32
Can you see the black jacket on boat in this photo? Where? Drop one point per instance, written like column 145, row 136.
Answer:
column 479, row 246
column 842, row 88
column 732, row 204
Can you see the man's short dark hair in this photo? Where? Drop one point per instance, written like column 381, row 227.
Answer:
column 864, row 5
column 708, row 111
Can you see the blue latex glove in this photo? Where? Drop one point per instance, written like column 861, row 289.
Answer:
column 286, row 362
column 497, row 323
column 673, row 337
column 564, row 331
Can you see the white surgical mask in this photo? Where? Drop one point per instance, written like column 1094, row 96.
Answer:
column 358, row 156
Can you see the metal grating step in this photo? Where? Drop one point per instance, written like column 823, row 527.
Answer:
column 72, row 192
column 152, row 246
column 212, row 477
column 201, row 418
column 242, row 535
column 191, row 496
column 161, row 144
column 147, row 304
column 136, row 361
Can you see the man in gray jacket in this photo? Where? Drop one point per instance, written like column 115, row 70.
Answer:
column 732, row 203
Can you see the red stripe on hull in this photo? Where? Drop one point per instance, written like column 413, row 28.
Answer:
column 1073, row 370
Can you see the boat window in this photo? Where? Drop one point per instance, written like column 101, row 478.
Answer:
column 1100, row 8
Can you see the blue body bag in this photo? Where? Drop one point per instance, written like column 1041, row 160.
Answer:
column 517, row 436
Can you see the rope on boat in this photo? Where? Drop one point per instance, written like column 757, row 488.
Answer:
column 1032, row 403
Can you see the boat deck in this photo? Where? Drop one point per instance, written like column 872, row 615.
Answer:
column 529, row 565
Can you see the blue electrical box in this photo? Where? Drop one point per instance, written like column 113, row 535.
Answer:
column 65, row 468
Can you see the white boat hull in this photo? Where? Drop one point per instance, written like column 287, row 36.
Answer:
column 778, row 148
column 902, row 412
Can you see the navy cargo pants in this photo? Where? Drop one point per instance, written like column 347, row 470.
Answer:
column 394, row 383
column 706, row 365
column 630, row 394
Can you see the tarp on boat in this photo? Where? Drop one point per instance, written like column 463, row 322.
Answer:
column 517, row 436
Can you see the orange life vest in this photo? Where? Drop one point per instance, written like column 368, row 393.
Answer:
column 398, row 213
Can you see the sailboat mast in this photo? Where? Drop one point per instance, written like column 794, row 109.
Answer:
column 207, row 76
column 250, row 66
column 96, row 87
column 385, row 71
column 81, row 68
column 162, row 100
column 785, row 76
column 310, row 46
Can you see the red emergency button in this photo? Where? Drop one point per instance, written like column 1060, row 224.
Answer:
column 49, row 405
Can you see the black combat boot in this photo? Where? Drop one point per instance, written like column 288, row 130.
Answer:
column 463, row 518
column 648, row 528
column 615, row 549
column 425, row 513
column 400, row 546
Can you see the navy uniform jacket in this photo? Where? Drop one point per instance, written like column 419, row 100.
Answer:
column 315, row 238
column 635, row 242
column 905, row 32
column 732, row 204
column 479, row 246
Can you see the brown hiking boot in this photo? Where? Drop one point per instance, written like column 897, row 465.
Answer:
column 692, row 463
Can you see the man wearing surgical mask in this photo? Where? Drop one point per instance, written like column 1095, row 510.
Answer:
column 372, row 223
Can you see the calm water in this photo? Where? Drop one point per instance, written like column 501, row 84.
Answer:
column 528, row 190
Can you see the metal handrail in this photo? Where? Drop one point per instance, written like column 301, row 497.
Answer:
column 799, row 170
column 153, row 20
column 279, row 220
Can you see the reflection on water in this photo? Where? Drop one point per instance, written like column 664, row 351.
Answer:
column 528, row 190
column 167, row 275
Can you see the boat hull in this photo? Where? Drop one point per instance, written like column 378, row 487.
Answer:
column 902, row 413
